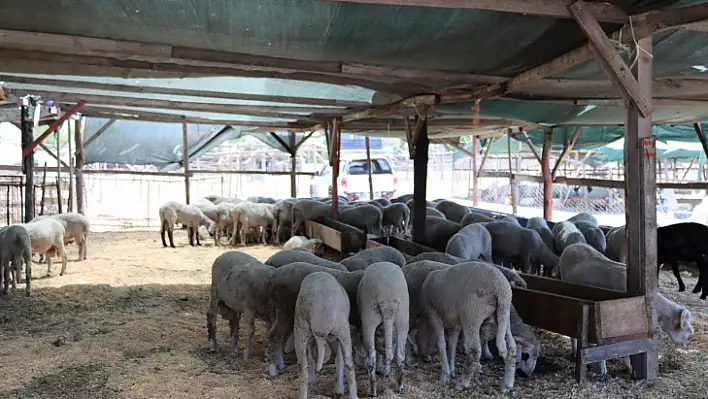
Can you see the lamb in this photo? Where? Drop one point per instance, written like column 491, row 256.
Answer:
column 283, row 289
column 47, row 235
column 304, row 210
column 288, row 256
column 431, row 213
column 411, row 204
column 261, row 200
column 383, row 201
column 402, row 199
column 363, row 259
column 452, row 210
column 76, row 226
column 15, row 246
column 583, row 264
column 524, row 248
column 438, row 232
column 510, row 219
column 173, row 212
column 248, row 214
column 396, row 219
column 322, row 312
column 541, row 226
column 684, row 242
column 566, row 234
column 475, row 218
column 365, row 217
column 440, row 257
column 583, row 216
column 594, row 236
column 616, row 248
column 223, row 222
column 313, row 245
column 238, row 287
column 282, row 215
column 372, row 203
column 207, row 207
column 461, row 297
column 383, row 298
column 472, row 242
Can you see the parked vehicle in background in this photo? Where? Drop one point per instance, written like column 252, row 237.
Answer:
column 353, row 181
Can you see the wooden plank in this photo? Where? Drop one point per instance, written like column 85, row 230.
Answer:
column 568, row 148
column 53, row 155
column 475, row 178
column 490, row 142
column 27, row 164
column 185, row 160
column 416, row 103
column 22, row 82
column 409, row 247
column 564, row 288
column 414, row 74
column 609, row 59
column 546, row 173
column 582, row 342
column 352, row 238
column 420, row 179
column 622, row 317
column 552, row 312
column 701, row 137
column 78, row 143
column 531, row 146
column 98, row 133
column 329, row 236
column 547, row 8
column 304, row 139
column 53, row 127
column 368, row 163
column 334, row 161
column 512, row 180
column 595, row 354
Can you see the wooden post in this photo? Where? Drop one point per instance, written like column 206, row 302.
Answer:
column 44, row 190
column 58, row 136
column 546, row 171
column 293, row 166
column 7, row 204
column 701, row 137
column 368, row 162
column 79, row 172
column 420, row 180
column 640, row 207
column 27, row 164
column 185, row 160
column 475, row 178
column 70, row 203
column 512, row 179
column 334, row 161
column 59, row 202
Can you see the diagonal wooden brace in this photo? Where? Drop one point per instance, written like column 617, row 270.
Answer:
column 53, row 127
column 609, row 59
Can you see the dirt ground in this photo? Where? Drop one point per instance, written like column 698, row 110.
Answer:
column 130, row 323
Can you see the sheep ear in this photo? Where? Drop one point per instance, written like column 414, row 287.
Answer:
column 685, row 319
column 521, row 341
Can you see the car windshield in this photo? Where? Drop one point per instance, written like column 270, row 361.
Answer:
column 361, row 167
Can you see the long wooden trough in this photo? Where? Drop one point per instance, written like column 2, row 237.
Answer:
column 339, row 236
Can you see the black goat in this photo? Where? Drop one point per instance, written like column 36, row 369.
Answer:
column 685, row 242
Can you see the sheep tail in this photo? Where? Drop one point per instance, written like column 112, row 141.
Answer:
column 320, row 342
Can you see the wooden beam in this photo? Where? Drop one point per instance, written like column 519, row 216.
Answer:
column 546, row 173
column 368, row 165
column 609, row 59
column 568, row 148
column 420, row 179
column 98, row 133
column 545, row 8
column 455, row 145
column 78, row 140
column 23, row 82
column 421, row 122
column 701, row 137
column 290, row 150
column 185, row 160
column 53, row 127
column 490, row 142
column 512, row 180
column 52, row 154
column 531, row 147
column 416, row 103
column 27, row 164
column 475, row 178
column 334, row 161
column 293, row 165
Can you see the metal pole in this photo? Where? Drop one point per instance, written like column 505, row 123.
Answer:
column 27, row 165
column 80, row 193
column 185, row 160
column 475, row 178
column 368, row 163
column 547, row 175
column 512, row 180
column 293, row 165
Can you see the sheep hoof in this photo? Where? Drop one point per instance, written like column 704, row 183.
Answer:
column 444, row 379
column 272, row 370
column 506, row 389
column 462, row 387
column 399, row 390
column 682, row 289
column 212, row 346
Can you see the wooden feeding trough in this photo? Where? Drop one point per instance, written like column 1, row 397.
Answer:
column 607, row 324
column 407, row 248
column 337, row 235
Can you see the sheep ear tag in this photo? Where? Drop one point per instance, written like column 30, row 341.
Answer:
column 554, row 274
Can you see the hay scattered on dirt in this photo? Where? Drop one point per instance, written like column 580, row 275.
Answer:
column 130, row 323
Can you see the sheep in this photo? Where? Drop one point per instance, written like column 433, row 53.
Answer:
column 431, row 213
column 372, row 203
column 440, row 257
column 173, row 212
column 313, row 245
column 583, row 264
column 365, row 217
column 452, row 210
column 223, row 221
column 288, row 256
column 282, row 215
column 541, row 226
column 383, row 298
column 248, row 214
column 402, row 199
column 283, row 289
column 510, row 219
column 593, row 235
column 396, row 219
column 528, row 347
column 438, row 232
column 383, row 201
column 15, row 246
column 616, row 248
column 411, row 204
column 583, row 216
column 47, row 235
column 261, row 200
column 521, row 247
column 475, row 218
column 684, row 242
column 322, row 311
column 566, row 234
column 207, row 207
column 238, row 287
column 472, row 242
column 461, row 297
column 304, row 210
column 363, row 259
column 76, row 226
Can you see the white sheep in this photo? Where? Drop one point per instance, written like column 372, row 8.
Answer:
column 472, row 242
column 363, row 259
column 452, row 210
column 251, row 215
column 207, row 207
column 238, row 287
column 76, row 227
column 313, row 245
column 322, row 313
column 282, row 215
column 15, row 246
column 541, row 226
column 396, row 219
column 583, row 264
column 594, row 236
column 566, row 234
column 473, row 217
column 223, row 222
column 173, row 212
column 288, row 256
column 461, row 297
column 383, row 298
column 47, row 236
column 306, row 209
column 617, row 244
column 521, row 247
column 366, row 217
column 584, row 216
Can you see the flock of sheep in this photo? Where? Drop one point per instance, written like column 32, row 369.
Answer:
column 46, row 236
column 403, row 309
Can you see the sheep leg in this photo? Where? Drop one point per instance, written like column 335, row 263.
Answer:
column 388, row 345
column 278, row 331
column 163, row 228
column 28, row 273
column 509, row 361
column 453, row 335
column 211, row 322
column 250, row 321
column 401, row 326
column 369, row 323
column 423, row 340
column 234, row 325
column 439, row 330
column 302, row 342
column 85, row 242
column 264, row 233
column 5, row 269
column 217, row 233
column 171, row 236
column 677, row 274
column 49, row 258
column 196, row 235
column 62, row 253
column 486, row 353
column 471, row 332
column 190, row 234
column 345, row 346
